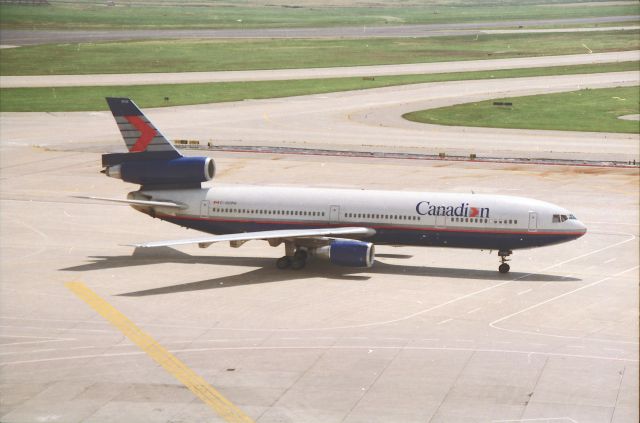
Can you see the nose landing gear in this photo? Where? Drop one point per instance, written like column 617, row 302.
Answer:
column 504, row 266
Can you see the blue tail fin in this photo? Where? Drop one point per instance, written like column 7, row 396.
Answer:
column 138, row 132
column 152, row 161
column 143, row 140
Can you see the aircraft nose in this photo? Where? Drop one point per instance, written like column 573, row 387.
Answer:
column 581, row 227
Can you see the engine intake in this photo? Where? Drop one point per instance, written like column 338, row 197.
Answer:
column 178, row 171
column 346, row 252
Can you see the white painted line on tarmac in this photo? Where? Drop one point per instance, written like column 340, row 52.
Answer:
column 541, row 419
column 525, row 291
column 474, row 310
column 330, row 347
column 53, row 329
column 444, row 321
column 495, row 322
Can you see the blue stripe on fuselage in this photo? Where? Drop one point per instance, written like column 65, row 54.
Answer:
column 393, row 235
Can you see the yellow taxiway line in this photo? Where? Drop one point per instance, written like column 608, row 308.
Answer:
column 168, row 361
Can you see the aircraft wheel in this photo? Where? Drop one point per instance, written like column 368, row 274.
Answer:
column 300, row 255
column 283, row 262
column 297, row 264
column 504, row 268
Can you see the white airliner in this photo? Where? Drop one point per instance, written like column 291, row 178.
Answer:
column 339, row 224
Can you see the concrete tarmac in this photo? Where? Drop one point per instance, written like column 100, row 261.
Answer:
column 366, row 120
column 426, row 335
column 432, row 335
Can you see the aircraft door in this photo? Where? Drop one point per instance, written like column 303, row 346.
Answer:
column 440, row 221
column 204, row 208
column 334, row 214
column 533, row 221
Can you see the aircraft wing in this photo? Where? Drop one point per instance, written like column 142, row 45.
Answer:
column 136, row 202
column 283, row 234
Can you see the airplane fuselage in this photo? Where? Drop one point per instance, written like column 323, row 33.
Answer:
column 478, row 221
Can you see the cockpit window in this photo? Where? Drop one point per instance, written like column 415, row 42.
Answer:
column 558, row 218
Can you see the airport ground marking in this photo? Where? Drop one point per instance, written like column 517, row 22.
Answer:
column 541, row 419
column 335, row 347
column 599, row 281
column 196, row 384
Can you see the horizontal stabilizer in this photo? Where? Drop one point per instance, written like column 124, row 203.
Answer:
column 147, row 203
column 265, row 235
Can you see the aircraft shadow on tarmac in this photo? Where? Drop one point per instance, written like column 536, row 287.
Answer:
column 267, row 272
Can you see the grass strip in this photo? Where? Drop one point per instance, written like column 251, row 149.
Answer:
column 141, row 15
column 222, row 55
column 593, row 110
column 92, row 98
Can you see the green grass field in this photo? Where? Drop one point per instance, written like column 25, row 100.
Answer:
column 212, row 55
column 251, row 14
column 585, row 110
column 92, row 98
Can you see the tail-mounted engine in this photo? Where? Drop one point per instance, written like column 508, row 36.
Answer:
column 158, row 172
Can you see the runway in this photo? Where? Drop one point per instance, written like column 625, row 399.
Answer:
column 35, row 37
column 425, row 335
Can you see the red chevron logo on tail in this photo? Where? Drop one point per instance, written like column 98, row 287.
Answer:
column 146, row 133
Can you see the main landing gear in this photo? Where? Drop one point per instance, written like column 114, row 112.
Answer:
column 504, row 266
column 296, row 261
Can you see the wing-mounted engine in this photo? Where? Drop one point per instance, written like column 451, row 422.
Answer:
column 347, row 252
